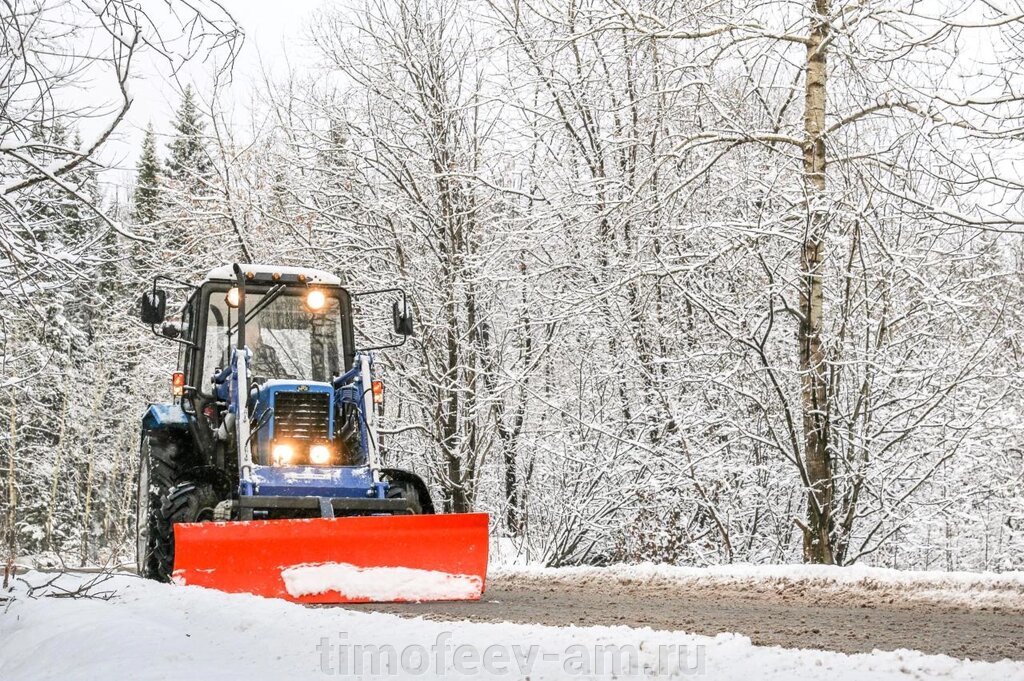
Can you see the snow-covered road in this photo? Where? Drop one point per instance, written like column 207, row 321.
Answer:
column 154, row 631
column 854, row 609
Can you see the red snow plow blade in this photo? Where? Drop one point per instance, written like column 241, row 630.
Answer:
column 365, row 559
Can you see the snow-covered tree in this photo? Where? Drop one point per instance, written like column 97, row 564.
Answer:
column 64, row 457
column 146, row 195
column 188, row 161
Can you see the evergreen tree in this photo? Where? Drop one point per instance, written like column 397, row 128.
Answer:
column 189, row 162
column 146, row 197
column 46, row 205
column 81, row 222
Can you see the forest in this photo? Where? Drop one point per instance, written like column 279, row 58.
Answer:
column 737, row 281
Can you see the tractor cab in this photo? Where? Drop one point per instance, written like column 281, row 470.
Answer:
column 297, row 325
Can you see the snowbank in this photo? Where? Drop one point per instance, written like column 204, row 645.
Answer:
column 156, row 631
column 380, row 583
column 975, row 589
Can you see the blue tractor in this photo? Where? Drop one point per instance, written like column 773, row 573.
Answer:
column 267, row 456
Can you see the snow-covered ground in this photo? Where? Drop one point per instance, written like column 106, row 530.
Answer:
column 153, row 631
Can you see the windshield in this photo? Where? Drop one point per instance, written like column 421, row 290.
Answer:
column 286, row 339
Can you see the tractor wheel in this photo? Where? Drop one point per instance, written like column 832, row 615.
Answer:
column 187, row 502
column 404, row 490
column 160, row 464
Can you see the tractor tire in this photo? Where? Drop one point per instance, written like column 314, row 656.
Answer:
column 161, row 462
column 404, row 490
column 187, row 502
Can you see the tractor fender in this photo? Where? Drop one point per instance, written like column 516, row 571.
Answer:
column 162, row 416
column 410, row 478
column 169, row 422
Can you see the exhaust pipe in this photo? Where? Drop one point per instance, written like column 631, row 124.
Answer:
column 241, row 378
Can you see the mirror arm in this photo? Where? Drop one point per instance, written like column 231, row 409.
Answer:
column 385, row 347
column 405, row 309
column 173, row 281
column 376, row 291
column 152, row 327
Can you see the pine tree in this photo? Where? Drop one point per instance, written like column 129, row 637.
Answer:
column 189, row 162
column 81, row 222
column 146, row 197
column 46, row 205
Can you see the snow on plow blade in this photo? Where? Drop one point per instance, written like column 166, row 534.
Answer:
column 362, row 559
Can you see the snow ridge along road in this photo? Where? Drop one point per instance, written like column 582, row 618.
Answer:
column 155, row 631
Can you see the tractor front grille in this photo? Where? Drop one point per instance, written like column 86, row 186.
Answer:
column 302, row 416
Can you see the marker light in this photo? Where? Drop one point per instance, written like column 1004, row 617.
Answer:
column 378, row 392
column 177, row 384
column 319, row 454
column 315, row 300
column 232, row 297
column 282, row 454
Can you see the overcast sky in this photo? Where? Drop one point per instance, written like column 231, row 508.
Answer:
column 273, row 32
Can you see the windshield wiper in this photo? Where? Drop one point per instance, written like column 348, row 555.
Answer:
column 258, row 307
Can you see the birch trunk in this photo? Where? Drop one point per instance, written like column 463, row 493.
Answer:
column 12, row 493
column 817, row 542
column 57, row 463
column 101, row 388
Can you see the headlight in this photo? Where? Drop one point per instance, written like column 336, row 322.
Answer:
column 232, row 297
column 282, row 454
column 315, row 300
column 319, row 454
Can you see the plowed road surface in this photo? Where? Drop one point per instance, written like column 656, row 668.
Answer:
column 848, row 620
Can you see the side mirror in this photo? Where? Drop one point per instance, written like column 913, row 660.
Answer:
column 402, row 318
column 153, row 306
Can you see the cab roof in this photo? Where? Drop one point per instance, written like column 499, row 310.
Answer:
column 266, row 273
